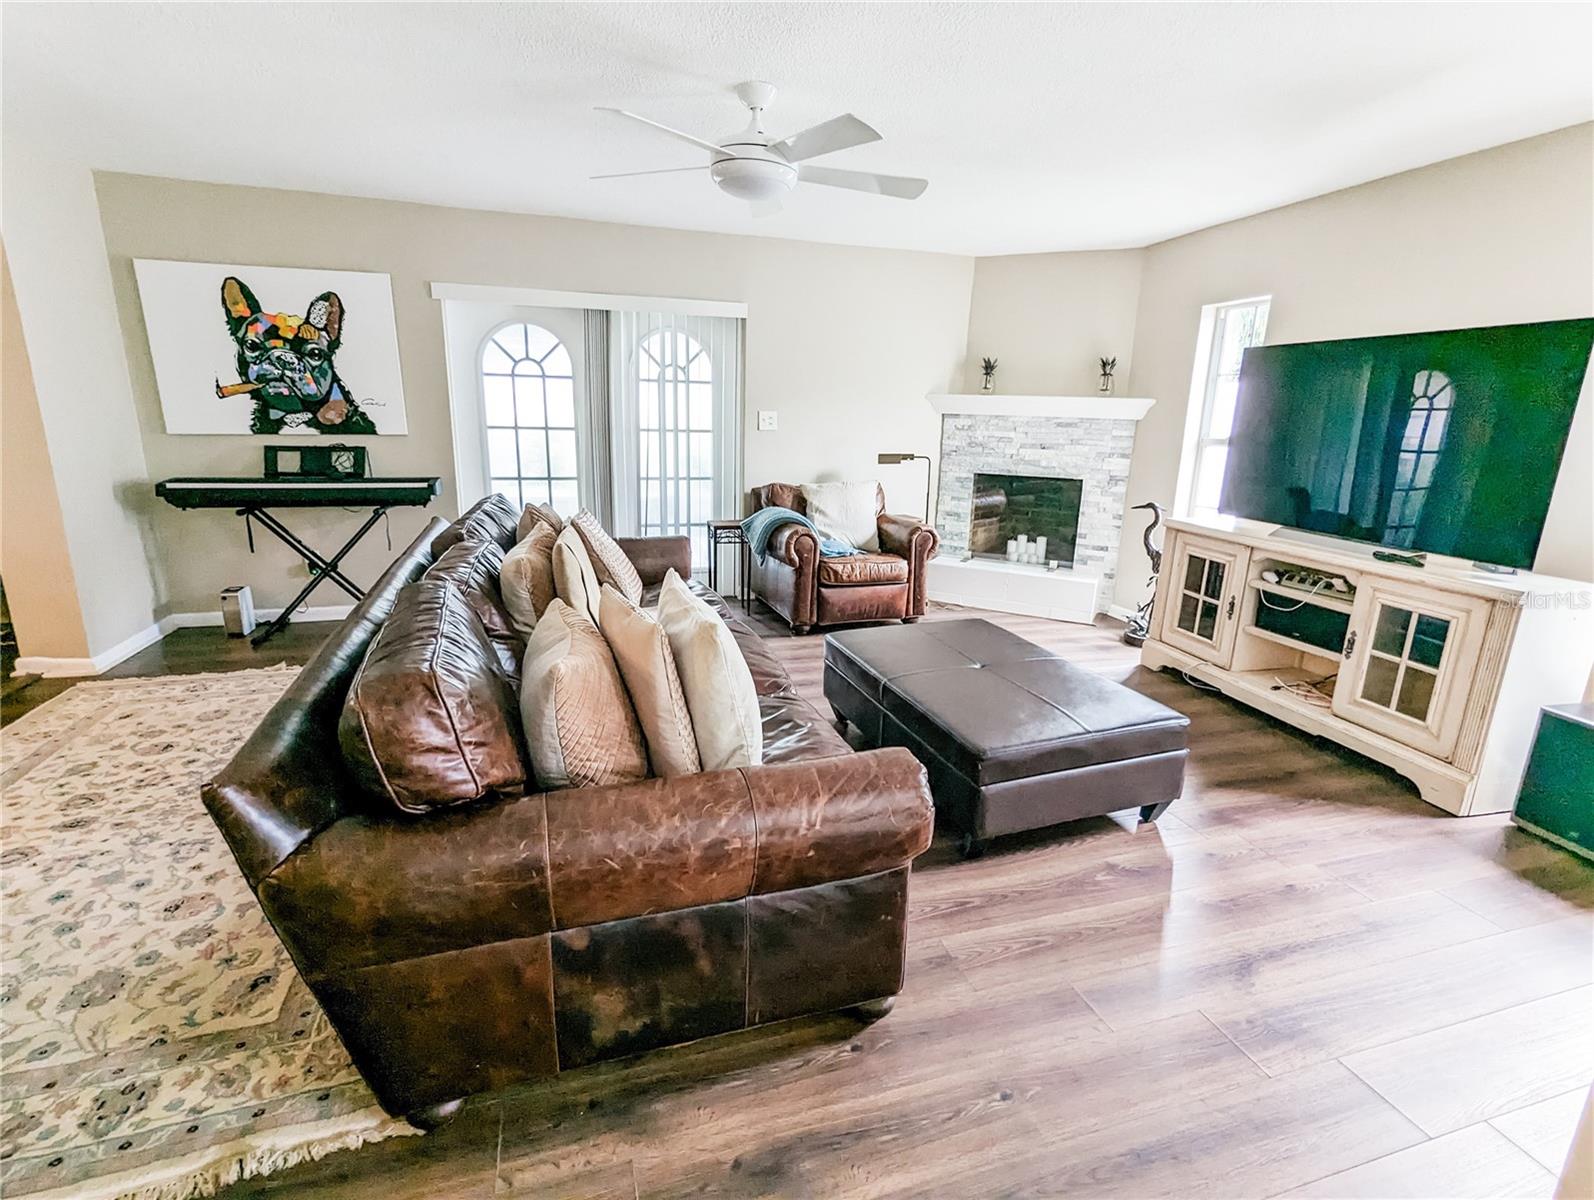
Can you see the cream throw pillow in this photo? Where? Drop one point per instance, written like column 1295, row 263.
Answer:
column 525, row 580
column 845, row 511
column 608, row 560
column 642, row 652
column 573, row 577
column 719, row 687
column 580, row 727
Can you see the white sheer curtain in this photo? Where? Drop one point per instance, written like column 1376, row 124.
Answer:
column 675, row 384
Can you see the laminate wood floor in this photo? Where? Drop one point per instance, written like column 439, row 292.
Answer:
column 1302, row 981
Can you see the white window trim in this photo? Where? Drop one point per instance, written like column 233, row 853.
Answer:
column 1198, row 414
column 547, row 298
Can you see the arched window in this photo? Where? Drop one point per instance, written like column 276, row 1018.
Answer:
column 529, row 407
column 1432, row 398
column 675, row 410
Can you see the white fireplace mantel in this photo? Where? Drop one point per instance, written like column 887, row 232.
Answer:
column 990, row 404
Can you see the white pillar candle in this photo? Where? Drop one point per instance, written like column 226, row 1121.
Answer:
column 1012, row 550
column 1040, row 549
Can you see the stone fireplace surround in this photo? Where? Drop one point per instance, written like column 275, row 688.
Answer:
column 1086, row 438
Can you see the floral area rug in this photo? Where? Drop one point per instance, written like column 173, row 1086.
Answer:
column 155, row 1041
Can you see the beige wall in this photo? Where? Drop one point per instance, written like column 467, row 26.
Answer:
column 56, row 249
column 41, row 590
column 842, row 342
column 1048, row 318
column 1501, row 236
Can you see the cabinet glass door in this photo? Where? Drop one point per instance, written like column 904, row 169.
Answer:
column 1403, row 661
column 1408, row 658
column 1201, row 594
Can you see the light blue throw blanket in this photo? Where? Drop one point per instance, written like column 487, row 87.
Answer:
column 759, row 527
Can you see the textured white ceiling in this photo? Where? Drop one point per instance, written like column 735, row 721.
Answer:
column 1040, row 127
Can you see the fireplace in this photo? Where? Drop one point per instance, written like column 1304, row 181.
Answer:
column 1006, row 507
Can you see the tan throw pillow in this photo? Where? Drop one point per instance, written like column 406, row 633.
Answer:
column 580, row 728
column 574, row 580
column 642, row 652
column 608, row 560
column 525, row 581
column 845, row 511
column 718, row 684
column 537, row 514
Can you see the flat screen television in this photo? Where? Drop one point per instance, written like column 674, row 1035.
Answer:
column 1447, row 442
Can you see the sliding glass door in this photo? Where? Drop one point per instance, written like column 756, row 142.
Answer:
column 675, row 386
column 634, row 415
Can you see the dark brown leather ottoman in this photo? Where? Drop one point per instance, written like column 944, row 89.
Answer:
column 1013, row 736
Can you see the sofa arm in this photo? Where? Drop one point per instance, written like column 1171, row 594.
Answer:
column 793, row 544
column 653, row 557
column 908, row 537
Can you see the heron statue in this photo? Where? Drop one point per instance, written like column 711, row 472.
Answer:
column 1139, row 626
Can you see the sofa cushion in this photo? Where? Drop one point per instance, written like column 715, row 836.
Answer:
column 845, row 510
column 472, row 568
column 430, row 720
column 580, row 728
column 642, row 652
column 574, row 579
column 858, row 569
column 492, row 517
column 537, row 514
column 793, row 731
column 608, row 560
column 718, row 685
column 525, row 580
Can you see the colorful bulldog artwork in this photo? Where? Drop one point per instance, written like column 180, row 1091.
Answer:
column 286, row 363
column 293, row 351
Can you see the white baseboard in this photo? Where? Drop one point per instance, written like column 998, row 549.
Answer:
column 1120, row 612
column 73, row 668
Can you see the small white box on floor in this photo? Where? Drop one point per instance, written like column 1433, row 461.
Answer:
column 1015, row 587
column 238, row 611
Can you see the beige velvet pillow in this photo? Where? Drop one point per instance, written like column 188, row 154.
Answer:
column 642, row 652
column 719, row 687
column 537, row 514
column 608, row 560
column 846, row 511
column 580, row 727
column 574, row 580
column 525, row 580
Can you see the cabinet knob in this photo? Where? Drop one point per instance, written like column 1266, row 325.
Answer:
column 1350, row 644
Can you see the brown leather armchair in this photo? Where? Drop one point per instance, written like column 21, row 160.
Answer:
column 809, row 590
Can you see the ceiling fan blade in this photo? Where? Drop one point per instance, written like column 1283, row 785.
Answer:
column 630, row 174
column 838, row 133
column 902, row 187
column 675, row 133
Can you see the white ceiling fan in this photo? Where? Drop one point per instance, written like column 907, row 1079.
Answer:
column 751, row 165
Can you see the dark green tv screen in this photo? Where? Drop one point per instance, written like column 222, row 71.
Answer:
column 1448, row 442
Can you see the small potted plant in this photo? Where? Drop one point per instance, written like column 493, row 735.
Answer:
column 1108, row 365
column 988, row 367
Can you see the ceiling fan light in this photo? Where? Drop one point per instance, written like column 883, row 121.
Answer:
column 754, row 179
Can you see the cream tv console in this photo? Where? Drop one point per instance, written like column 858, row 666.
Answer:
column 1439, row 674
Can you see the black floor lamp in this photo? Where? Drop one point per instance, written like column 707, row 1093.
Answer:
column 887, row 460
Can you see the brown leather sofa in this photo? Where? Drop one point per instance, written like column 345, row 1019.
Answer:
column 522, row 935
column 809, row 590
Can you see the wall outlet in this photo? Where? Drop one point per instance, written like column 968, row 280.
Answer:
column 766, row 420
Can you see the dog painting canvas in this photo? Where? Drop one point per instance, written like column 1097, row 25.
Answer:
column 272, row 350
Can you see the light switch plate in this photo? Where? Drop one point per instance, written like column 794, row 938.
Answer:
column 766, row 420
